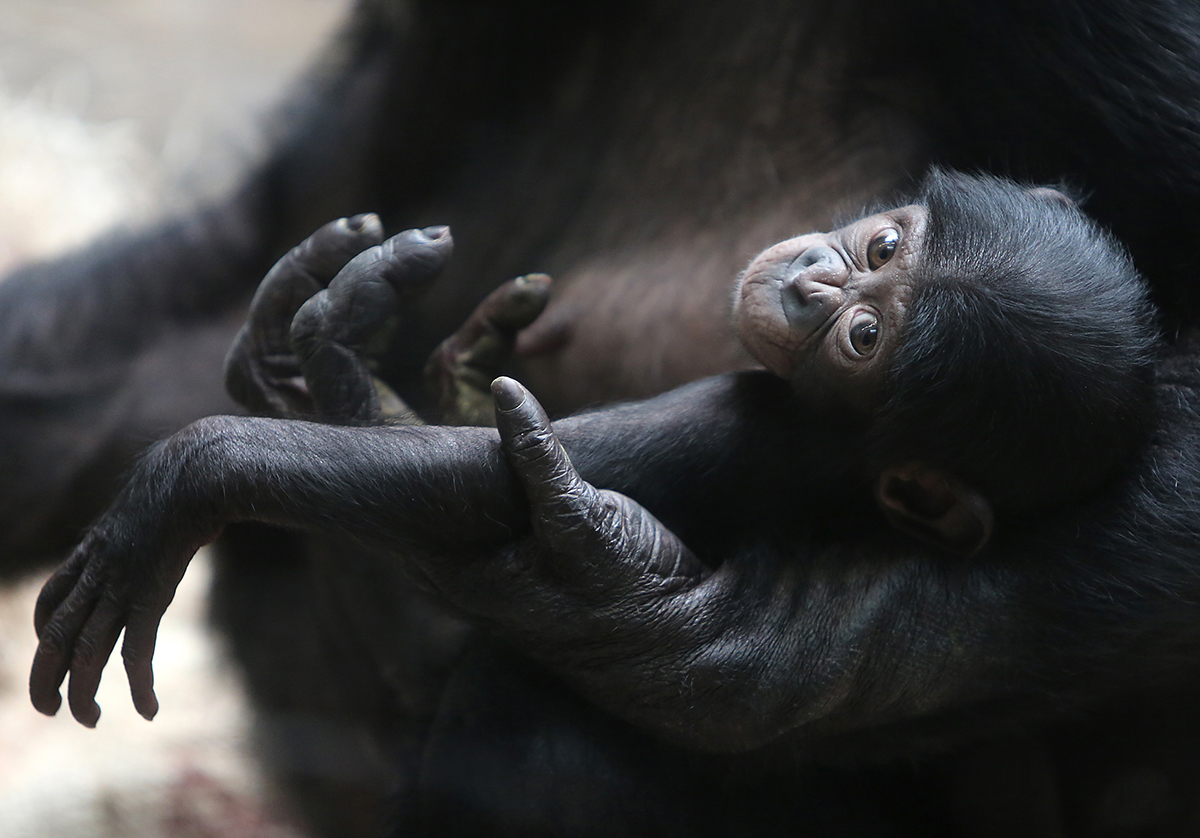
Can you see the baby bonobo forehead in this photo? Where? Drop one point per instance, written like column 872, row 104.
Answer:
column 827, row 310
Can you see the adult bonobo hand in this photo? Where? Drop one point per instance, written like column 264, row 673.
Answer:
column 305, row 348
column 612, row 600
column 619, row 562
column 613, row 546
column 301, row 353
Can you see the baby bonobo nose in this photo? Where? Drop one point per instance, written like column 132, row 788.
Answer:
column 812, row 288
column 818, row 259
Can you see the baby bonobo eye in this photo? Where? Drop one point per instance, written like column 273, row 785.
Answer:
column 882, row 248
column 864, row 333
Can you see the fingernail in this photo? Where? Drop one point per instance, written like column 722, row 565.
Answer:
column 436, row 232
column 535, row 285
column 357, row 222
column 509, row 395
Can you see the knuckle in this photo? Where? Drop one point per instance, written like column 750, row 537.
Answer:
column 47, row 600
column 309, row 319
column 52, row 641
column 533, row 446
column 83, row 652
column 112, row 599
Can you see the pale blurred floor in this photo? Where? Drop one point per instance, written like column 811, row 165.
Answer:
column 111, row 110
column 187, row 773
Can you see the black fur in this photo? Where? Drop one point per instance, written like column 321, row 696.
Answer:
column 607, row 139
column 1025, row 367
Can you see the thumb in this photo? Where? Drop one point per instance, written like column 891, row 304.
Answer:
column 558, row 495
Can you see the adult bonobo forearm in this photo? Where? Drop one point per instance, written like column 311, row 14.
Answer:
column 805, row 641
column 810, row 640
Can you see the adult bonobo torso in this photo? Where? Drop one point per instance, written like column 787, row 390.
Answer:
column 642, row 152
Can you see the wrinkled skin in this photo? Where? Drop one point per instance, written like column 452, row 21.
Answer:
column 641, row 153
column 614, row 559
column 668, row 639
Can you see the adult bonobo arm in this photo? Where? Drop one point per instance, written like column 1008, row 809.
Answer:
column 811, row 641
column 802, row 637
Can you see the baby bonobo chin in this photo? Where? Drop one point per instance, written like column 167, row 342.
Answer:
column 829, row 308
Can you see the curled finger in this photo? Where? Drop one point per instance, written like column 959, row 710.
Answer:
column 461, row 368
column 57, row 588
column 260, row 371
column 302, row 272
column 378, row 278
column 325, row 252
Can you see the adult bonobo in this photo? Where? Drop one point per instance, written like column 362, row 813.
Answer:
column 1010, row 300
column 640, row 152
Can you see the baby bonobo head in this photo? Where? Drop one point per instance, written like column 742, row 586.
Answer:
column 994, row 342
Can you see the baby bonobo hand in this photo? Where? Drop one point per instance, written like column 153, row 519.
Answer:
column 122, row 575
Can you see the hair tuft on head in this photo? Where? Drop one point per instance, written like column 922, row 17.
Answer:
column 1027, row 356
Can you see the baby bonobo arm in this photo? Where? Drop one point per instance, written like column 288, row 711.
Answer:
column 440, row 497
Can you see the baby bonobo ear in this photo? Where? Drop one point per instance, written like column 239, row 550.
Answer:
column 1051, row 194
column 936, row 507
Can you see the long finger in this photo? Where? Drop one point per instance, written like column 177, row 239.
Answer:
column 503, row 313
column 305, row 270
column 332, row 331
column 367, row 291
column 90, row 653
column 606, row 540
column 56, row 589
column 137, row 651
column 261, row 372
column 56, row 642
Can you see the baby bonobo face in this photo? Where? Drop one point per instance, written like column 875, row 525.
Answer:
column 826, row 310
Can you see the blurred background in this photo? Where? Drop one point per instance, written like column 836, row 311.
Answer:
column 112, row 112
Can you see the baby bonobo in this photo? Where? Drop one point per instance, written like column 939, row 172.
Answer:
column 995, row 343
column 980, row 349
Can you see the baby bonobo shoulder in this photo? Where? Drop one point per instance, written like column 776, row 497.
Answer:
column 994, row 343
